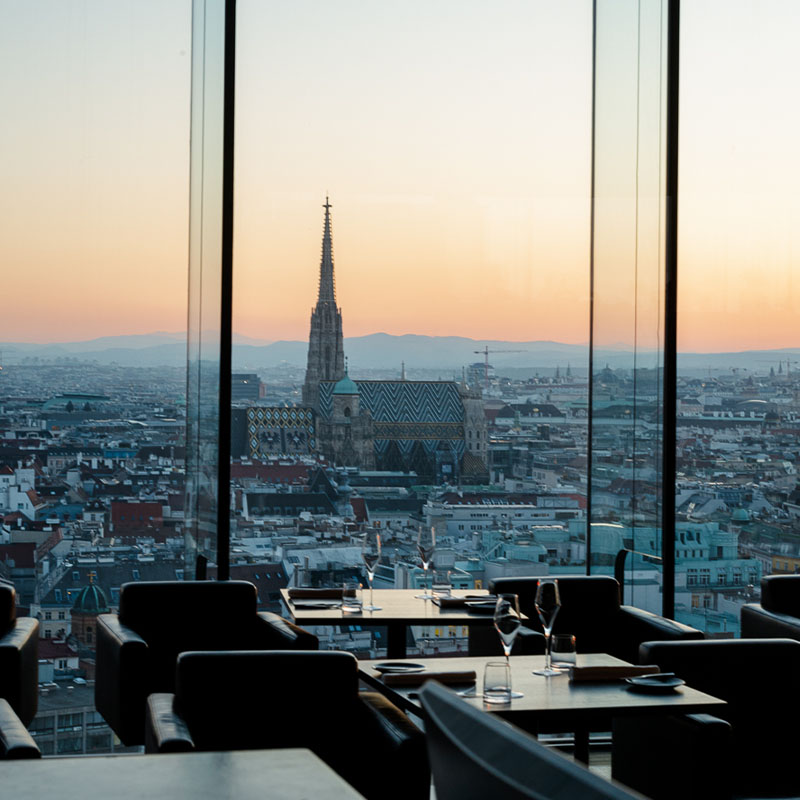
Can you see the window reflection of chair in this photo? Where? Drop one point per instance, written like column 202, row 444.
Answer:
column 473, row 753
column 254, row 700
column 137, row 649
column 19, row 657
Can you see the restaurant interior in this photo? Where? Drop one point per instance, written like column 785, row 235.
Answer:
column 564, row 691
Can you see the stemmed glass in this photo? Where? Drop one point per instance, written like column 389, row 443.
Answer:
column 426, row 546
column 507, row 622
column 548, row 601
column 371, row 555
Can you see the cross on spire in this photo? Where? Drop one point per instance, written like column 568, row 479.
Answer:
column 327, row 284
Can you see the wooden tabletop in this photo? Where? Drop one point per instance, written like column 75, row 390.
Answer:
column 553, row 704
column 291, row 774
column 397, row 605
column 399, row 609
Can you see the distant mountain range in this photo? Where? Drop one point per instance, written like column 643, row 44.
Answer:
column 382, row 351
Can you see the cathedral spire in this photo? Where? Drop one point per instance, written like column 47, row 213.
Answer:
column 327, row 285
column 325, row 341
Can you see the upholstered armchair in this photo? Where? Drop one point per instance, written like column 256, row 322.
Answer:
column 746, row 749
column 137, row 650
column 15, row 741
column 591, row 611
column 778, row 613
column 255, row 700
column 19, row 657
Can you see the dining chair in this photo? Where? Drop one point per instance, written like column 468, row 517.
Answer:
column 19, row 657
column 778, row 613
column 473, row 753
column 137, row 649
column 746, row 749
column 15, row 741
column 263, row 700
column 592, row 612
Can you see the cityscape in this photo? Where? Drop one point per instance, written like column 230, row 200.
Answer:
column 92, row 472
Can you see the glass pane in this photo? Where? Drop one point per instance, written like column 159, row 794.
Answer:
column 440, row 378
column 628, row 274
column 739, row 294
column 95, row 143
column 205, row 265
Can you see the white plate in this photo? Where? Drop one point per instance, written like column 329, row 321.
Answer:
column 399, row 666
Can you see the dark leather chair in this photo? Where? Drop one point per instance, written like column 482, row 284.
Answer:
column 747, row 749
column 255, row 700
column 476, row 754
column 591, row 611
column 778, row 613
column 137, row 649
column 15, row 741
column 19, row 657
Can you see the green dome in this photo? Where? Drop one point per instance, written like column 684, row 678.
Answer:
column 91, row 600
column 740, row 515
column 345, row 386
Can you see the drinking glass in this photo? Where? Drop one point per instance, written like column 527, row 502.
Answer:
column 426, row 546
column 371, row 555
column 563, row 650
column 351, row 600
column 497, row 682
column 507, row 622
column 440, row 583
column 548, row 601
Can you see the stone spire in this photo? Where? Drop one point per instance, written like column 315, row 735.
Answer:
column 325, row 341
column 327, row 284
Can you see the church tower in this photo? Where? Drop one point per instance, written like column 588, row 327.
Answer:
column 325, row 342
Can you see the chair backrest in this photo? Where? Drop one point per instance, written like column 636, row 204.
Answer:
column 589, row 606
column 260, row 699
column 781, row 594
column 147, row 606
column 176, row 616
column 8, row 606
column 473, row 753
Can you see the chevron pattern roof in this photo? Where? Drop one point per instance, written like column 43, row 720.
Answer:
column 403, row 401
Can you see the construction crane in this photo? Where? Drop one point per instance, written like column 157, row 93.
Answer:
column 485, row 353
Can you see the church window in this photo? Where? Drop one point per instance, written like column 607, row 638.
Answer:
column 347, row 412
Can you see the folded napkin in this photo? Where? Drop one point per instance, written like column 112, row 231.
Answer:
column 418, row 678
column 460, row 602
column 578, row 674
column 315, row 594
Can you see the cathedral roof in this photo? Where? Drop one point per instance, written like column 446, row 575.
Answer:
column 400, row 401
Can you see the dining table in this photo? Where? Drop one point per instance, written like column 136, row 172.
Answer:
column 399, row 610
column 280, row 774
column 552, row 704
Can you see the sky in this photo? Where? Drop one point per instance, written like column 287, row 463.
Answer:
column 454, row 140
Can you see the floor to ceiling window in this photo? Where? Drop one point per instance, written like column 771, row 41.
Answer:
column 738, row 417
column 410, row 298
column 628, row 271
column 94, row 202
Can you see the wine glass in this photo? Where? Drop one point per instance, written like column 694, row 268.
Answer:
column 507, row 622
column 548, row 601
column 426, row 546
column 371, row 555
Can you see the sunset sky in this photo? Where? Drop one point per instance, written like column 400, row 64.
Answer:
column 454, row 140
